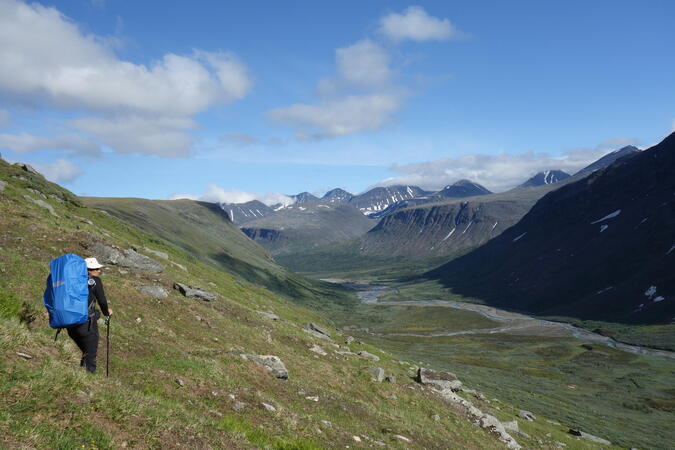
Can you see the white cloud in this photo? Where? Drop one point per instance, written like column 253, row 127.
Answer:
column 24, row 143
column 4, row 117
column 416, row 25
column 46, row 60
column 495, row 172
column 216, row 194
column 44, row 56
column 363, row 64
column 352, row 114
column 60, row 171
column 161, row 136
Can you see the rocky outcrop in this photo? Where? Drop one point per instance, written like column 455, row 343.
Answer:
column 369, row 356
column 271, row 363
column 129, row 259
column 589, row 437
column 2, row 185
column 42, row 204
column 195, row 292
column 440, row 380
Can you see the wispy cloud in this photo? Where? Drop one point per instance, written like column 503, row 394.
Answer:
column 416, row 24
column 46, row 60
column 496, row 172
column 364, row 94
column 25, row 143
column 216, row 194
column 4, row 117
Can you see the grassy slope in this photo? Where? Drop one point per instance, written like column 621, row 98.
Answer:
column 48, row 402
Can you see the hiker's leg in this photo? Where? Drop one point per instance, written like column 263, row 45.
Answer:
column 91, row 344
column 77, row 334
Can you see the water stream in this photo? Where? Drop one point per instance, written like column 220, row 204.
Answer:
column 512, row 321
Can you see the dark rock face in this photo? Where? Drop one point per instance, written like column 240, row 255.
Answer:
column 462, row 188
column 240, row 213
column 599, row 248
column 547, row 177
column 262, row 234
column 337, row 196
column 194, row 292
column 305, row 197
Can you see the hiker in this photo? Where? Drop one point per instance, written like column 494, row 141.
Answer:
column 85, row 334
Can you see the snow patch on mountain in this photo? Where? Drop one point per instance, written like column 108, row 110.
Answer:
column 450, row 233
column 608, row 216
column 520, row 237
column 603, row 227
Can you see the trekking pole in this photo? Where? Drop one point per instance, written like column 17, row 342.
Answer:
column 107, row 346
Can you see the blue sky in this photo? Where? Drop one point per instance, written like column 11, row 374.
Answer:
column 229, row 101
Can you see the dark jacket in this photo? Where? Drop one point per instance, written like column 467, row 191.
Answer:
column 96, row 294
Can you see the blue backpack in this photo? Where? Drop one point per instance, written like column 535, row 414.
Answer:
column 67, row 293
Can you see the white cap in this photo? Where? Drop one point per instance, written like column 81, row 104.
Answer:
column 92, row 263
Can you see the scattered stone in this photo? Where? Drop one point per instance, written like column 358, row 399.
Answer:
column 435, row 417
column 314, row 398
column 318, row 350
column 314, row 327
column 392, row 397
column 367, row 355
column 2, row 185
column 157, row 253
column 238, row 406
column 270, row 362
column 268, row 315
column 402, row 438
column 327, row 423
column 36, row 192
column 42, row 204
column 356, row 438
column 511, row 426
column 588, row 437
column 28, row 168
column 269, row 407
column 493, row 425
column 24, row 355
column 442, row 380
column 559, row 444
column 180, row 382
column 179, row 266
column 138, row 320
column 391, row 379
column 153, row 291
column 194, row 292
column 526, row 415
column 349, row 340
column 232, row 396
column 553, row 422
column 378, row 374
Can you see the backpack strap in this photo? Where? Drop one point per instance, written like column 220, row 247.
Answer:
column 58, row 330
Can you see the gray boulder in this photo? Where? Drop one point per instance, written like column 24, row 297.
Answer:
column 268, row 315
column 526, row 415
column 157, row 253
column 314, row 327
column 2, row 185
column 589, row 437
column 28, row 168
column 270, row 362
column 129, row 258
column 42, row 204
column 369, row 356
column 194, row 292
column 378, row 374
column 493, row 425
column 153, row 291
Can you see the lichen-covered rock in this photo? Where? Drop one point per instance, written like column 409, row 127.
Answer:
column 194, row 292
column 442, row 380
column 270, row 362
column 42, row 204
column 369, row 356
column 129, row 258
column 314, row 327
column 153, row 291
column 2, row 185
column 378, row 374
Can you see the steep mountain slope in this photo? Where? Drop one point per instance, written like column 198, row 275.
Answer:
column 600, row 248
column 298, row 228
column 204, row 230
column 305, row 197
column 379, row 198
column 547, row 177
column 177, row 379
